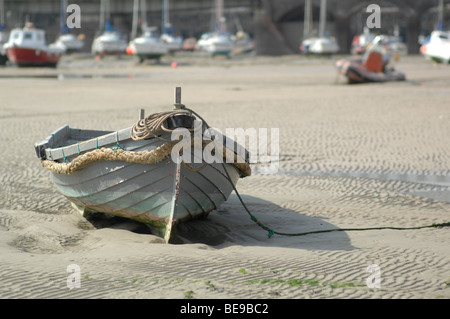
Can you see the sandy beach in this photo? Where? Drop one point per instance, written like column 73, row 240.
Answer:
column 351, row 156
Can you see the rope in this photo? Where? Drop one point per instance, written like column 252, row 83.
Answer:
column 108, row 154
column 148, row 127
column 152, row 125
column 271, row 232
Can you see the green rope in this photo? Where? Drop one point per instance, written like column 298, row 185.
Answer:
column 118, row 146
column 271, row 232
column 64, row 156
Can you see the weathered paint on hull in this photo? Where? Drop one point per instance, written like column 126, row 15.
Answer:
column 145, row 193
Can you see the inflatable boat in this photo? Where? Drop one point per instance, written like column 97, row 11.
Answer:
column 372, row 68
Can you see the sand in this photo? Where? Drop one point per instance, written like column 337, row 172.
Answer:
column 350, row 157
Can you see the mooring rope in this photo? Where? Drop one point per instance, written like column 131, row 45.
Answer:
column 271, row 232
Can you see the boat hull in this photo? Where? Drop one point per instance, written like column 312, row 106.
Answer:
column 356, row 72
column 147, row 50
column 146, row 193
column 160, row 193
column 32, row 57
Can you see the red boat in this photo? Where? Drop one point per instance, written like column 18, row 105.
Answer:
column 27, row 47
column 372, row 68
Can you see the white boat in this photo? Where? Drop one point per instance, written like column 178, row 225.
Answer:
column 27, row 47
column 438, row 47
column 108, row 43
column 147, row 46
column 131, row 172
column 172, row 42
column 215, row 43
column 320, row 45
column 69, row 42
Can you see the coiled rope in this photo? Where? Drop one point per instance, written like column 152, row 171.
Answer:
column 271, row 232
column 153, row 125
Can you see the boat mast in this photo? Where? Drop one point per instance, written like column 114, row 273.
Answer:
column 441, row 15
column 134, row 24
column 102, row 16
column 307, row 20
column 165, row 24
column 220, row 19
column 2, row 15
column 62, row 17
column 144, row 15
column 323, row 17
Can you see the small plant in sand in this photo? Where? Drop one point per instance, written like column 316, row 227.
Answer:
column 189, row 294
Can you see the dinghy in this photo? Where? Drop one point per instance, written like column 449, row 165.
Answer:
column 372, row 68
column 139, row 172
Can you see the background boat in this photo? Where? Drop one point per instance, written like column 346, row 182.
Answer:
column 110, row 41
column 27, row 47
column 149, row 45
column 173, row 43
column 321, row 44
column 67, row 41
column 218, row 42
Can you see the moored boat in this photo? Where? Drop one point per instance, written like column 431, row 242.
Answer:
column 139, row 173
column 70, row 43
column 147, row 46
column 27, row 47
column 372, row 68
column 216, row 43
column 320, row 46
column 109, row 43
column 437, row 48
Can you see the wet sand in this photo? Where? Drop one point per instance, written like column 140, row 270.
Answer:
column 351, row 156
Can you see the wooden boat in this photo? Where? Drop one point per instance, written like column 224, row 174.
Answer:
column 131, row 172
column 27, row 47
column 373, row 68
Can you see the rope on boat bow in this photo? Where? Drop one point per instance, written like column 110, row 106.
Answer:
column 152, row 125
column 148, row 127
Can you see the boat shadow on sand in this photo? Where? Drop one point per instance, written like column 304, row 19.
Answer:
column 231, row 225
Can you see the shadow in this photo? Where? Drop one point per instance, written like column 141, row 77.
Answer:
column 103, row 220
column 231, row 225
